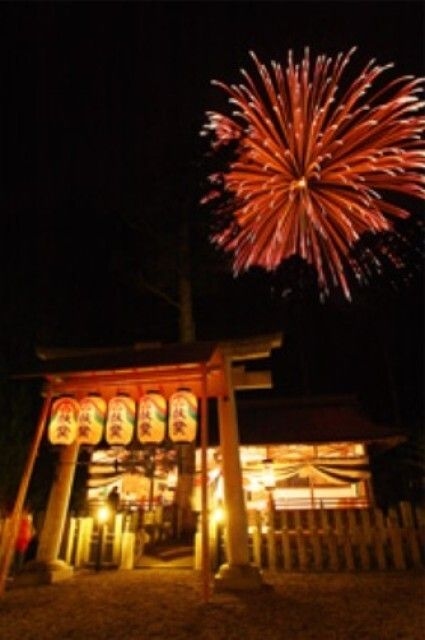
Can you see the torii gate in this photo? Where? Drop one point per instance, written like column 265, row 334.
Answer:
column 210, row 370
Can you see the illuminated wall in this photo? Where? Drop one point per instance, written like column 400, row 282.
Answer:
column 303, row 476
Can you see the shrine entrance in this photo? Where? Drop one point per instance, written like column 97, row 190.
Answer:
column 120, row 378
column 151, row 504
column 130, row 540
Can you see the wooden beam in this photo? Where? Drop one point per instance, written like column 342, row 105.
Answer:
column 243, row 380
column 22, row 494
column 251, row 348
column 166, row 379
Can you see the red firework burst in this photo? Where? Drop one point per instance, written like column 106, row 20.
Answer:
column 311, row 172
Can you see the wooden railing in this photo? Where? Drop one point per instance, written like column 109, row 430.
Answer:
column 339, row 539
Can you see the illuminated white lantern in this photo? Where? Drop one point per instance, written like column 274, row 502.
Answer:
column 121, row 419
column 182, row 416
column 91, row 419
column 269, row 479
column 151, row 418
column 63, row 421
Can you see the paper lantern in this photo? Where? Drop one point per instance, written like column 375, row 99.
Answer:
column 182, row 418
column 121, row 419
column 91, row 420
column 151, row 418
column 63, row 421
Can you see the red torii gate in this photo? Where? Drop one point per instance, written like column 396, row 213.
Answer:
column 210, row 370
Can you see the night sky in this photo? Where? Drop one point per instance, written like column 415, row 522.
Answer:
column 101, row 111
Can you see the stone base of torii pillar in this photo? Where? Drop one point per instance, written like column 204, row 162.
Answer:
column 38, row 572
column 238, row 578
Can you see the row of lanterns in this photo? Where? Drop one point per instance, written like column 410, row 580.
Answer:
column 87, row 420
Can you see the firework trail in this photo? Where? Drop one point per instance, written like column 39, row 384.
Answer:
column 312, row 170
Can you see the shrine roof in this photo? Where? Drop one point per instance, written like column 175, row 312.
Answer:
column 138, row 356
column 300, row 420
column 314, row 420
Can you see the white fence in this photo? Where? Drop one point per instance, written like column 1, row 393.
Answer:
column 339, row 540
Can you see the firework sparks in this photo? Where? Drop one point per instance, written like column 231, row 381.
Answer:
column 312, row 171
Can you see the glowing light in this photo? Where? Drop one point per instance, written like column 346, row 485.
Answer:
column 269, row 479
column 103, row 514
column 312, row 171
column 172, row 479
column 219, row 514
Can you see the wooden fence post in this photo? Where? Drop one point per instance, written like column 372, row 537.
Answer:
column 271, row 541
column 408, row 524
column 344, row 535
column 78, row 542
column 70, row 540
column 396, row 539
column 315, row 541
column 420, row 519
column 286, row 545
column 364, row 539
column 257, row 538
column 379, row 539
column 301, row 547
column 330, row 538
column 117, row 531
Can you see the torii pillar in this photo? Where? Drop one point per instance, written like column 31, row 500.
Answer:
column 47, row 565
column 238, row 573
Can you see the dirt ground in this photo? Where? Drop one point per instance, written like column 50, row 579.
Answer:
column 154, row 604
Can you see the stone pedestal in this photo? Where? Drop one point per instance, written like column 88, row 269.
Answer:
column 238, row 578
column 40, row 572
